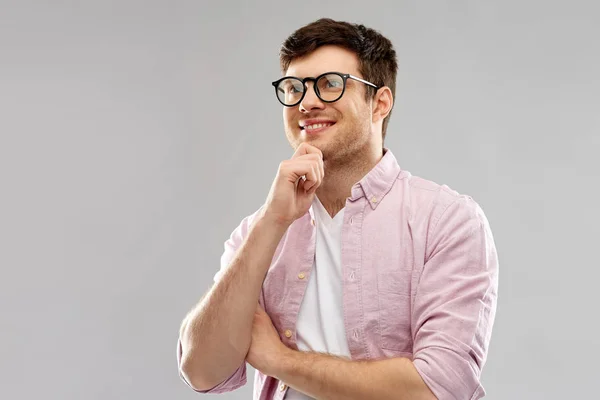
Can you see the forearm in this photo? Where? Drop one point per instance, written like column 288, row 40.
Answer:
column 216, row 334
column 327, row 377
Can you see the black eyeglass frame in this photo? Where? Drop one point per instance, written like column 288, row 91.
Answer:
column 344, row 77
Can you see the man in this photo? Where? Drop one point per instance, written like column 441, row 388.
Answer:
column 355, row 279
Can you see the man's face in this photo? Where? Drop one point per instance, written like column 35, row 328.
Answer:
column 348, row 120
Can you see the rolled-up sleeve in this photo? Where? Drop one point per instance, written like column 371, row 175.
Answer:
column 231, row 246
column 455, row 302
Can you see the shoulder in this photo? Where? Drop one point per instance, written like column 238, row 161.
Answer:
column 440, row 204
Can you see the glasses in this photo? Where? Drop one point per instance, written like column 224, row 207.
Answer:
column 329, row 87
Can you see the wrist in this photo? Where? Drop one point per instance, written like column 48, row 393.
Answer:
column 271, row 219
column 285, row 361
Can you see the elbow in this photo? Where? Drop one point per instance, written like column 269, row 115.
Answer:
column 203, row 369
column 194, row 377
column 191, row 369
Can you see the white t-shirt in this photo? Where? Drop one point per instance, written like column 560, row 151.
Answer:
column 320, row 325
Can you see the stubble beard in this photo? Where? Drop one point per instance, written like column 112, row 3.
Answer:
column 346, row 145
column 341, row 148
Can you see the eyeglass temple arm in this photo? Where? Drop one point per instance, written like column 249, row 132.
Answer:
column 363, row 81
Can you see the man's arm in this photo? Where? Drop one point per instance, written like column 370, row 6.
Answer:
column 324, row 376
column 455, row 302
column 216, row 334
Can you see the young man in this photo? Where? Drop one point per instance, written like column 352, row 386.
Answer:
column 371, row 283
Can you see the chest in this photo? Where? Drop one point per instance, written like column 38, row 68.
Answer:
column 376, row 275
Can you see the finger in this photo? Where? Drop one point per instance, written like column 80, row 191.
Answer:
column 294, row 170
column 320, row 170
column 319, row 180
column 311, row 176
column 319, row 175
column 320, row 167
column 317, row 159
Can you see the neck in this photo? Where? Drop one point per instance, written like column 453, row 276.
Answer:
column 341, row 175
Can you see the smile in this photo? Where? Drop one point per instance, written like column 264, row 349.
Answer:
column 316, row 128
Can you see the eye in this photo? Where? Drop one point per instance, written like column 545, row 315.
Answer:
column 330, row 83
column 294, row 88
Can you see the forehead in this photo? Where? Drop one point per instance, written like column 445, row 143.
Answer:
column 324, row 59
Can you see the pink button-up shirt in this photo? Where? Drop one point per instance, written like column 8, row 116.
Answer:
column 420, row 280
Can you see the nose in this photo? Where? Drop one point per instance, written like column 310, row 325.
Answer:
column 311, row 101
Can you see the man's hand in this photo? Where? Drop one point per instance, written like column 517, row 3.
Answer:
column 266, row 349
column 294, row 187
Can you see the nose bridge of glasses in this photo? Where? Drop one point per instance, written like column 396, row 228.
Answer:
column 308, row 80
column 307, row 90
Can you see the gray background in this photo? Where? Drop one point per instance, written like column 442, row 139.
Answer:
column 135, row 135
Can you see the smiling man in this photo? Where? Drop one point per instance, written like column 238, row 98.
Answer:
column 355, row 279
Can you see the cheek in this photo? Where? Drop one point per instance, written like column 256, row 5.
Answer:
column 288, row 118
column 288, row 112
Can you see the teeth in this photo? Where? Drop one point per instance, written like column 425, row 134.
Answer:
column 317, row 126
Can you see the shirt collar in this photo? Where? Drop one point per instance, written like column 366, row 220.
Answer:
column 375, row 185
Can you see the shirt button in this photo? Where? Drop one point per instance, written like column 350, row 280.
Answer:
column 312, row 221
column 301, row 275
column 282, row 387
column 288, row 333
column 374, row 199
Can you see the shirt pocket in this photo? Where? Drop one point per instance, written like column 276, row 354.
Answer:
column 394, row 322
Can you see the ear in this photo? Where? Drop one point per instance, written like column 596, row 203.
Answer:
column 382, row 103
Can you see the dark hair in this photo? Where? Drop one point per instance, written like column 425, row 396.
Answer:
column 376, row 55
